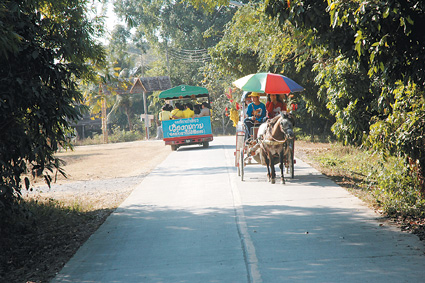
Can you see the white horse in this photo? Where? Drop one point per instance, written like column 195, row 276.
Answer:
column 275, row 136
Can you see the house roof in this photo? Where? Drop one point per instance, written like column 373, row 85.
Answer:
column 150, row 84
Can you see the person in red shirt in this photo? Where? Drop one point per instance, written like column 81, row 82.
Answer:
column 274, row 105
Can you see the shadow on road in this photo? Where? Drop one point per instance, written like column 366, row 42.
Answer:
column 292, row 244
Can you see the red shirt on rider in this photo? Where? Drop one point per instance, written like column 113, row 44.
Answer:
column 274, row 106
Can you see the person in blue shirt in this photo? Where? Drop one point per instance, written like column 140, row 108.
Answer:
column 256, row 114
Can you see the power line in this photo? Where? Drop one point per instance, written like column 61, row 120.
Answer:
column 186, row 55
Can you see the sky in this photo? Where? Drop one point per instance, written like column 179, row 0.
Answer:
column 110, row 21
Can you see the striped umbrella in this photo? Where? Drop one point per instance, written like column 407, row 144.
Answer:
column 267, row 83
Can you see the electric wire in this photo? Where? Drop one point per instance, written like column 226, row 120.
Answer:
column 193, row 56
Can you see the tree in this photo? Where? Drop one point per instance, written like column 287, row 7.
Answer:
column 46, row 47
column 350, row 96
column 385, row 39
column 252, row 43
column 180, row 33
column 384, row 36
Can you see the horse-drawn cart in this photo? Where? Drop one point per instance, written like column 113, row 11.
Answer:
column 273, row 141
column 256, row 150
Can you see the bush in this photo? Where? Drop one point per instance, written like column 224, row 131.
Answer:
column 116, row 136
column 125, row 136
column 397, row 190
column 393, row 185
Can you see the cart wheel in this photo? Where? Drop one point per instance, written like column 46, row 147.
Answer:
column 173, row 147
column 238, row 154
column 291, row 164
column 205, row 144
column 241, row 164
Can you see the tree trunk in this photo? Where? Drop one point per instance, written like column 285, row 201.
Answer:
column 128, row 114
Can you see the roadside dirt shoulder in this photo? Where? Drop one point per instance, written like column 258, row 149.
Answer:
column 100, row 178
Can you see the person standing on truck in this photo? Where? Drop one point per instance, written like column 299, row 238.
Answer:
column 197, row 108
column 177, row 113
column 205, row 111
column 164, row 115
column 188, row 112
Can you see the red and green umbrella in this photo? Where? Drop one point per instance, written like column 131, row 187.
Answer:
column 267, row 83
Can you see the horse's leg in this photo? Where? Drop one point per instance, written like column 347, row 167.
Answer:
column 268, row 170
column 285, row 157
column 282, row 178
column 273, row 171
column 266, row 160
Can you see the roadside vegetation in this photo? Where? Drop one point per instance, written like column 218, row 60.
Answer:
column 361, row 63
column 36, row 247
column 115, row 135
column 391, row 184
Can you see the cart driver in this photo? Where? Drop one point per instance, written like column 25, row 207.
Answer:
column 256, row 114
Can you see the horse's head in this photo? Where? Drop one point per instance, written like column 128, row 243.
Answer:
column 287, row 125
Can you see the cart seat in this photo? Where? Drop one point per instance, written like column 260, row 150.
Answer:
column 254, row 131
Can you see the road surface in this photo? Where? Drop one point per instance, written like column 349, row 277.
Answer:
column 193, row 220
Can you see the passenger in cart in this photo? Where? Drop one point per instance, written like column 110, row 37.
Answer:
column 256, row 114
column 274, row 105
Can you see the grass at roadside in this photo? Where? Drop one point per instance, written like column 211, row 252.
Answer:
column 44, row 237
column 35, row 244
column 115, row 137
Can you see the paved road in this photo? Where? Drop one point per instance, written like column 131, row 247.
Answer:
column 193, row 220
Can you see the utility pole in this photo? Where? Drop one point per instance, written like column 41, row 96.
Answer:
column 146, row 115
column 104, row 118
column 166, row 56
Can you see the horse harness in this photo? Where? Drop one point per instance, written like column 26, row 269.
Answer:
column 271, row 141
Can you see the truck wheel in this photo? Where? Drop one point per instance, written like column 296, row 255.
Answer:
column 173, row 147
column 205, row 144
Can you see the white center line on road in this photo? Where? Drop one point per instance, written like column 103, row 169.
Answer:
column 250, row 256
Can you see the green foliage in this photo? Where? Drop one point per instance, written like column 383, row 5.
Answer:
column 178, row 30
column 125, row 136
column 236, row 53
column 51, row 43
column 253, row 42
column 208, row 5
column 402, row 132
column 396, row 189
column 116, row 136
column 384, row 42
column 351, row 161
column 351, row 98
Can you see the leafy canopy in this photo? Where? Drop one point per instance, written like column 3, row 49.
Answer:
column 47, row 46
column 384, row 42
